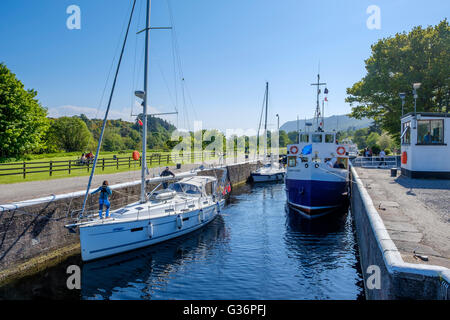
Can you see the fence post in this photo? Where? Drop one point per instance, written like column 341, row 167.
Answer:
column 117, row 161
column 129, row 162
column 159, row 159
column 24, row 170
column 103, row 164
column 88, row 163
column 70, row 162
column 51, row 168
column 168, row 158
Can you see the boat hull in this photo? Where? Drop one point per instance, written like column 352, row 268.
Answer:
column 260, row 177
column 102, row 240
column 315, row 198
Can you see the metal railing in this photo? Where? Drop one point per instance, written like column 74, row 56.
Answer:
column 377, row 162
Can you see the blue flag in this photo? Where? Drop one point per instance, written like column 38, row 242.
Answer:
column 307, row 149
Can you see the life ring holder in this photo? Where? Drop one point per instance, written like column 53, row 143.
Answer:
column 291, row 150
column 340, row 151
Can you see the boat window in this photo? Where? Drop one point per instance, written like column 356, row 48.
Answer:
column 329, row 138
column 430, row 131
column 317, row 137
column 292, row 161
column 304, row 137
column 406, row 132
column 304, row 159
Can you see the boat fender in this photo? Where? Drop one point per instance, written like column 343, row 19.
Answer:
column 293, row 150
column 218, row 207
column 201, row 216
column 316, row 165
column 150, row 230
column 179, row 222
column 306, row 165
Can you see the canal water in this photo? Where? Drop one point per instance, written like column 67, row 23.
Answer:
column 255, row 249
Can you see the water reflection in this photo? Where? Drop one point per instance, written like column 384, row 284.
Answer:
column 139, row 274
column 326, row 252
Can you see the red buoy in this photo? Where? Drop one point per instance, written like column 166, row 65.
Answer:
column 404, row 157
column 136, row 155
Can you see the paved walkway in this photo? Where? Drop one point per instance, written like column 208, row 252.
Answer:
column 37, row 189
column 416, row 213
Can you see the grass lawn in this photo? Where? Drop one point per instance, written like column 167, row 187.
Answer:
column 42, row 163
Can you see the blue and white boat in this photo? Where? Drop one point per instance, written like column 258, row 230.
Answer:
column 317, row 169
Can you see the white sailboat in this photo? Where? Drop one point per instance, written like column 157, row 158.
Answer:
column 160, row 215
column 270, row 171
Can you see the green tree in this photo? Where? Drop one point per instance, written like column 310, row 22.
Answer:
column 70, row 134
column 372, row 139
column 385, row 141
column 112, row 141
column 421, row 55
column 23, row 121
column 284, row 138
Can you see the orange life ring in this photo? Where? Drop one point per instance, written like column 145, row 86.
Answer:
column 291, row 150
column 340, row 151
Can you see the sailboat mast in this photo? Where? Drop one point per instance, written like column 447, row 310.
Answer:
column 145, row 104
column 265, row 121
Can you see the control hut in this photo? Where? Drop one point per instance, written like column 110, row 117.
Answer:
column 425, row 149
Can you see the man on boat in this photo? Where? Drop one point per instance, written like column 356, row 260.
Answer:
column 105, row 192
column 166, row 173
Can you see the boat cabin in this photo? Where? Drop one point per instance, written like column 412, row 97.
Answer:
column 424, row 145
column 317, row 147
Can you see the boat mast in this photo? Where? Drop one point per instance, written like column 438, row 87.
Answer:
column 265, row 121
column 317, row 113
column 145, row 104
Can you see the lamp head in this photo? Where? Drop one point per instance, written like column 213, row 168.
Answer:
column 416, row 85
column 402, row 95
column 140, row 94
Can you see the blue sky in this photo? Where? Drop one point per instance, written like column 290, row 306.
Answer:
column 228, row 49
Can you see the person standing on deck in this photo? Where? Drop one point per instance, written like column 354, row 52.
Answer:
column 105, row 192
column 166, row 173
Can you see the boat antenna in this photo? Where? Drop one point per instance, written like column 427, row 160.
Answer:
column 107, row 112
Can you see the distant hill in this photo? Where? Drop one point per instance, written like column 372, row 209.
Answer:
column 338, row 123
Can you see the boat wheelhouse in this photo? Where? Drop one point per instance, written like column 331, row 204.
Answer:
column 425, row 152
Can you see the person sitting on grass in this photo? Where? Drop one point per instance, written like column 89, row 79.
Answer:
column 83, row 159
column 105, row 192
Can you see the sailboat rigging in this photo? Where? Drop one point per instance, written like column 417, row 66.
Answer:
column 158, row 216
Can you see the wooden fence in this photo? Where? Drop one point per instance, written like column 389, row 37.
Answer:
column 69, row 166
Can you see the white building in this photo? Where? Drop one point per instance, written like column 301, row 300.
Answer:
column 425, row 149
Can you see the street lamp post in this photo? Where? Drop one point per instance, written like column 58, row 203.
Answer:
column 278, row 122
column 415, row 87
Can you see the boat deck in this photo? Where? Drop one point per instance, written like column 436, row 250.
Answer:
column 416, row 213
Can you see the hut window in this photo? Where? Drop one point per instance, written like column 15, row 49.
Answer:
column 430, row 131
column 406, row 133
